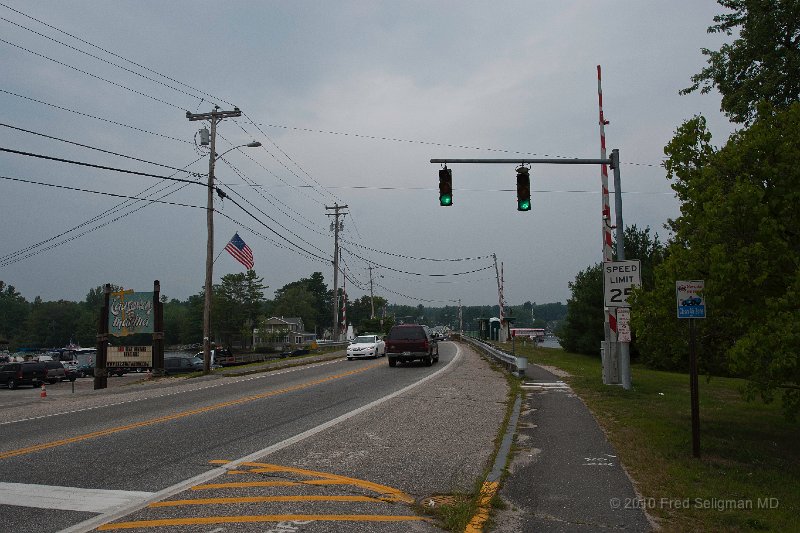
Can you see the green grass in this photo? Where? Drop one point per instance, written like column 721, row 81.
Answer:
column 749, row 451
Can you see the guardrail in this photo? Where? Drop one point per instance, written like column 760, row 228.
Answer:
column 515, row 365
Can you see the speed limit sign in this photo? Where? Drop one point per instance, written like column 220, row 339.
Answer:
column 618, row 279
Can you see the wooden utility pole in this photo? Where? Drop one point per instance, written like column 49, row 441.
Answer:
column 335, row 227
column 214, row 117
column 371, row 297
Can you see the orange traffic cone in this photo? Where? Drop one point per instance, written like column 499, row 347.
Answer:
column 44, row 392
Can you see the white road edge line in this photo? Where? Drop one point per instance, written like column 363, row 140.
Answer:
column 93, row 523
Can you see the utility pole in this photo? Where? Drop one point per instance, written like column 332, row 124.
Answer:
column 371, row 297
column 335, row 226
column 460, row 319
column 214, row 117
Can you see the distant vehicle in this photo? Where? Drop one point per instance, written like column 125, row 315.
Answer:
column 55, row 371
column 411, row 342
column 28, row 373
column 366, row 346
column 182, row 364
column 692, row 300
column 221, row 357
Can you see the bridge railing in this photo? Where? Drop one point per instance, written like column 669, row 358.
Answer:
column 515, row 365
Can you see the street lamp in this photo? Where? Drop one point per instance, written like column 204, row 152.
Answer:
column 210, row 251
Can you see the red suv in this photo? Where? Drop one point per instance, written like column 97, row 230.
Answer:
column 411, row 342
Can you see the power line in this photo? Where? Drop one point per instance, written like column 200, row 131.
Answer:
column 431, row 143
column 109, row 52
column 99, row 58
column 103, row 167
column 103, row 193
column 98, row 149
column 93, row 116
column 417, row 273
column 90, row 74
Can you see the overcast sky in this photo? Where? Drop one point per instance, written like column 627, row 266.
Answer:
column 350, row 101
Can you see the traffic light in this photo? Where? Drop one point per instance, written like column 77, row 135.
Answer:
column 523, row 189
column 445, row 187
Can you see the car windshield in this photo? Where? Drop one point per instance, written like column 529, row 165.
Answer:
column 365, row 338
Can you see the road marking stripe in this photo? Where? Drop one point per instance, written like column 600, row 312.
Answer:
column 68, row 498
column 176, row 416
column 389, row 493
column 262, row 518
column 248, row 484
column 231, row 381
column 488, row 491
column 99, row 521
column 257, row 499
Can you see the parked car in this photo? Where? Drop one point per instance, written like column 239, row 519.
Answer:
column 182, row 364
column 27, row 373
column 55, row 371
column 411, row 342
column 366, row 346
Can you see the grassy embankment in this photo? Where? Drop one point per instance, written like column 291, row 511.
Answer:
column 750, row 454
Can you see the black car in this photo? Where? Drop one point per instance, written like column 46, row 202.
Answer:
column 55, row 371
column 182, row 364
column 27, row 373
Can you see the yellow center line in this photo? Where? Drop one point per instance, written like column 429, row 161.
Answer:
column 176, row 416
column 260, row 518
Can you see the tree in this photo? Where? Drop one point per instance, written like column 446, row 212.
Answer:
column 236, row 305
column 295, row 300
column 762, row 63
column 584, row 325
column 738, row 232
column 14, row 311
column 321, row 301
column 582, row 330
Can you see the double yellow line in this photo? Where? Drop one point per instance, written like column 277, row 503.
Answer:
column 183, row 414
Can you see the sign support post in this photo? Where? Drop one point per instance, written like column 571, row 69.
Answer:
column 691, row 304
column 695, row 391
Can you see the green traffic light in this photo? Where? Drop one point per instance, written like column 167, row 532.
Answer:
column 524, row 205
column 445, row 199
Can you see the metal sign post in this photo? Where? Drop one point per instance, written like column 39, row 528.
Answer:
column 691, row 304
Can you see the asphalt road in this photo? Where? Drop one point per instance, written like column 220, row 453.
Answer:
column 332, row 446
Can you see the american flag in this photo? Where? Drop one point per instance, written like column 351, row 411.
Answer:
column 240, row 251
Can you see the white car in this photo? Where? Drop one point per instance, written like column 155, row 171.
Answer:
column 366, row 346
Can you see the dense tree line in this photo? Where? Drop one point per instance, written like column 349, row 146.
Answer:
column 738, row 224
column 238, row 306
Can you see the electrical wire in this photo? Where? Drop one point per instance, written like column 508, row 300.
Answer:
column 93, row 116
column 97, row 149
column 92, row 75
column 100, row 58
column 103, row 167
column 109, row 52
column 103, row 193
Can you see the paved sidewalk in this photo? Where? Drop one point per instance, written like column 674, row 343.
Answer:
column 565, row 475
